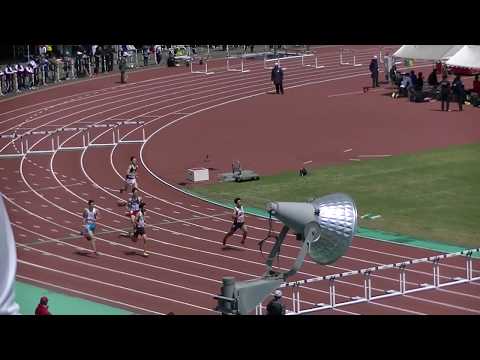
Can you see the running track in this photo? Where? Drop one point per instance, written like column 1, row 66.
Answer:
column 45, row 195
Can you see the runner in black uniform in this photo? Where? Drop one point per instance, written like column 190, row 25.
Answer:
column 139, row 227
column 238, row 222
column 131, row 177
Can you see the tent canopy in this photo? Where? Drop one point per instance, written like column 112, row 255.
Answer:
column 427, row 52
column 468, row 57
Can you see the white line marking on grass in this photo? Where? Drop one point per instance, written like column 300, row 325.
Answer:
column 374, row 156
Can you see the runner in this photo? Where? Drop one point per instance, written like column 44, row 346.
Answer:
column 133, row 206
column 139, row 229
column 131, row 177
column 238, row 222
column 90, row 216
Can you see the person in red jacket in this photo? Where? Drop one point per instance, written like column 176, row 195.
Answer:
column 42, row 308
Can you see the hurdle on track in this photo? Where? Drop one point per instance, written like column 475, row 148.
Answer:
column 242, row 64
column 315, row 66
column 279, row 60
column 344, row 52
column 204, row 71
column 25, row 148
column 367, row 274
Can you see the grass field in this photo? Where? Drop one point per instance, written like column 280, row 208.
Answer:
column 432, row 195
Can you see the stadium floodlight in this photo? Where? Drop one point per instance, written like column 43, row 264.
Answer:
column 325, row 226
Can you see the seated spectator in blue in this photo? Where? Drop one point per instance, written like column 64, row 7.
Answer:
column 413, row 77
column 405, row 85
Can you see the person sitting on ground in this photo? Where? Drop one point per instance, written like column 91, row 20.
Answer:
column 432, row 79
column 303, row 172
column 275, row 307
column 405, row 85
column 42, row 307
column 171, row 59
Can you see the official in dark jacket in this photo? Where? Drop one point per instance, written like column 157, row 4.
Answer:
column 374, row 71
column 277, row 78
column 445, row 92
column 458, row 90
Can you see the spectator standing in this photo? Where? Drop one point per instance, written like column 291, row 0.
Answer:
column 459, row 91
column 445, row 92
column 476, row 85
column 276, row 307
column 393, row 74
column 413, row 77
column 277, row 78
column 42, row 307
column 158, row 54
column 432, row 79
column 374, row 71
column 419, row 83
column 388, row 65
column 122, row 65
column 146, row 54
column 9, row 77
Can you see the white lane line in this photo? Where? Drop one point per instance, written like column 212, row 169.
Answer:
column 176, row 212
column 345, row 94
column 36, row 226
column 44, row 206
column 308, row 162
column 347, row 150
column 195, row 206
column 54, row 230
column 354, row 159
column 443, row 304
column 122, row 287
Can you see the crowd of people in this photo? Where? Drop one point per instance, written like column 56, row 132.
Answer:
column 413, row 86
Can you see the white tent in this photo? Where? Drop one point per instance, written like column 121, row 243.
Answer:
column 427, row 52
column 468, row 57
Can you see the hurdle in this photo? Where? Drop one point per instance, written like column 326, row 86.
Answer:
column 204, row 72
column 342, row 52
column 71, row 148
column 315, row 66
column 109, row 127
column 368, row 273
column 130, row 141
column 242, row 64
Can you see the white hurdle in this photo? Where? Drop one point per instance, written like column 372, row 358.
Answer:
column 205, row 71
column 315, row 66
column 342, row 62
column 242, row 64
column 368, row 273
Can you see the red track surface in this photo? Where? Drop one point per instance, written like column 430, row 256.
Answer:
column 188, row 116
